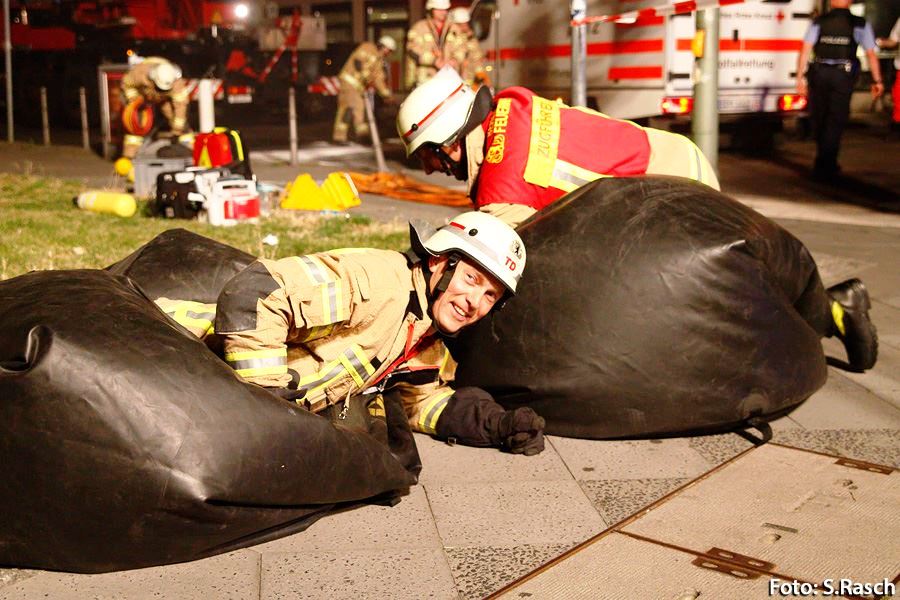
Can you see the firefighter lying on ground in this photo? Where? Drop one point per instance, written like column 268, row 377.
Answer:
column 425, row 44
column 464, row 50
column 154, row 82
column 520, row 152
column 364, row 69
column 324, row 328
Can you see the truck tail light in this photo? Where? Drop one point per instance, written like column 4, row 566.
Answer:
column 789, row 102
column 682, row 105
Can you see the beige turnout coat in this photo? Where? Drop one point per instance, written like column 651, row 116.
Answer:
column 331, row 324
column 424, row 46
column 173, row 103
column 364, row 69
column 464, row 50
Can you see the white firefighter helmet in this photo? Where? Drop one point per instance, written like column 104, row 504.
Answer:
column 164, row 74
column 460, row 15
column 437, row 4
column 436, row 111
column 388, row 42
column 481, row 237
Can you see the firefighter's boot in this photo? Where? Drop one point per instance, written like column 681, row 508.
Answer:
column 850, row 306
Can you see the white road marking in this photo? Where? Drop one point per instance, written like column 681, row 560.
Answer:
column 310, row 154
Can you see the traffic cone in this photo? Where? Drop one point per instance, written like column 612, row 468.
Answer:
column 303, row 194
column 115, row 203
column 340, row 192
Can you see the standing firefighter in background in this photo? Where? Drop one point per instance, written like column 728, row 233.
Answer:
column 425, row 44
column 464, row 50
column 831, row 77
column 520, row 152
column 155, row 83
column 364, row 69
column 341, row 329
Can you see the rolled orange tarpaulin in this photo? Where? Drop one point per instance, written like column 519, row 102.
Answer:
column 407, row 188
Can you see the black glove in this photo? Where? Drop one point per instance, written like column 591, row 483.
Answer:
column 472, row 417
column 520, row 431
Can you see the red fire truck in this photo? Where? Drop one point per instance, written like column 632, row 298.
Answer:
column 59, row 44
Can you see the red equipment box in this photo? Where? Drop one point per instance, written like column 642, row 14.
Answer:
column 222, row 148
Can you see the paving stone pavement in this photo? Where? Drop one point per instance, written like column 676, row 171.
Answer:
column 479, row 519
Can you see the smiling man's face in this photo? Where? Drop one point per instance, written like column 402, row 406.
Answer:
column 471, row 295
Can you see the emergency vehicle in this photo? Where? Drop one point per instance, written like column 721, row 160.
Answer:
column 253, row 50
column 642, row 67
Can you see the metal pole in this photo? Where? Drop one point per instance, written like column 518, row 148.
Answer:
column 705, row 119
column 45, row 122
column 373, row 128
column 206, row 106
column 85, row 133
column 7, row 51
column 105, row 132
column 292, row 123
column 498, row 58
column 578, row 10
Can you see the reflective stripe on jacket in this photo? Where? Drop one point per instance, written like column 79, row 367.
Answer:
column 536, row 150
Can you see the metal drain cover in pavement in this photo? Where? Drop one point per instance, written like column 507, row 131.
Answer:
column 772, row 513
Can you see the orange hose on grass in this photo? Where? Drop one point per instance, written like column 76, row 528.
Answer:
column 402, row 187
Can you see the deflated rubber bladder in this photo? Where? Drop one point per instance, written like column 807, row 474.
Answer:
column 126, row 443
column 180, row 264
column 653, row 306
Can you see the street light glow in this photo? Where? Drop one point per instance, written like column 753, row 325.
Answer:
column 241, row 10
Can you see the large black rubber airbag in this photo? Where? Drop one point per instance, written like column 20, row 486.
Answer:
column 126, row 443
column 182, row 265
column 653, row 306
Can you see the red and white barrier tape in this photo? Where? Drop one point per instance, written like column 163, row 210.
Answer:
column 327, row 86
column 643, row 14
column 193, row 88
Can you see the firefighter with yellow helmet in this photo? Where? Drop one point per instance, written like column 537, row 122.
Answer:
column 326, row 328
column 520, row 152
column 153, row 82
column 363, row 70
column 464, row 50
column 425, row 44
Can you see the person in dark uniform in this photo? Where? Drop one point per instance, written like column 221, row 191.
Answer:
column 831, row 76
column 890, row 42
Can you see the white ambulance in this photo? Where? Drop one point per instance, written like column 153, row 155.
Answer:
column 642, row 67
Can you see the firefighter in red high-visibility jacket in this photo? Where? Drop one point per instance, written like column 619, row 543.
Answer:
column 153, row 82
column 520, row 152
column 324, row 328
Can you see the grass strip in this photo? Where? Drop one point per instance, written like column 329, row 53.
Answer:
column 41, row 229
